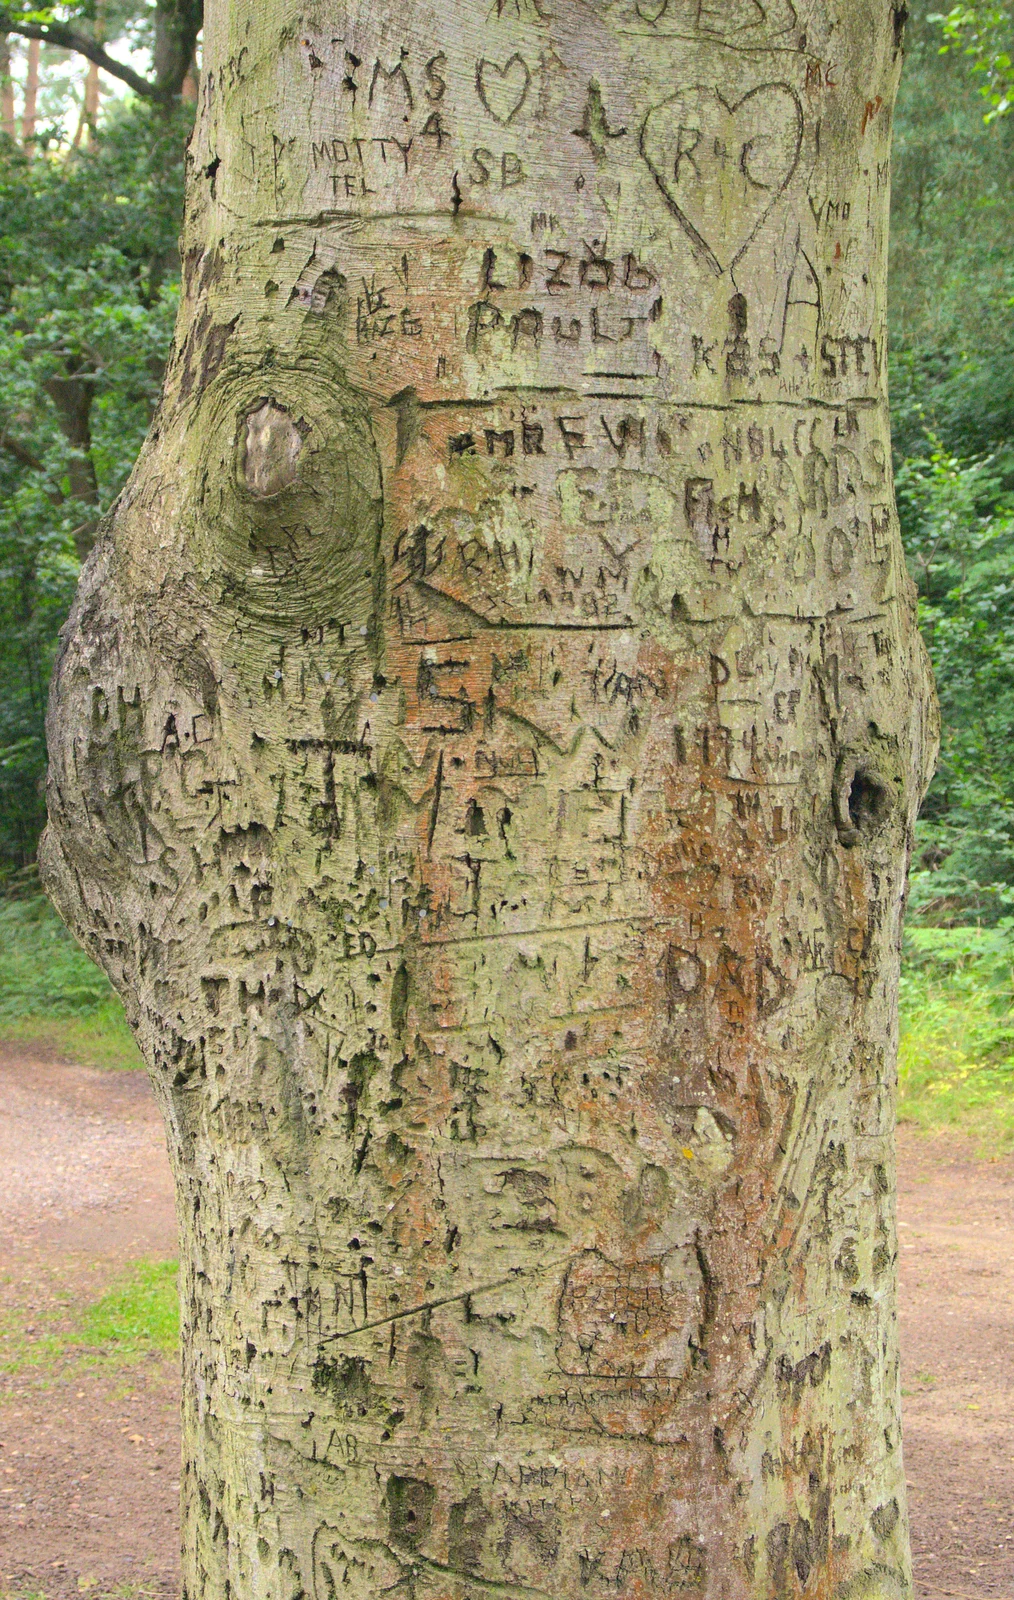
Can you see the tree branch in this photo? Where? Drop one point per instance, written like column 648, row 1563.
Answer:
column 26, row 458
column 57, row 33
column 20, row 452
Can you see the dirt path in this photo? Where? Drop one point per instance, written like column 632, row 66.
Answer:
column 956, row 1229
column 89, row 1458
column 89, row 1468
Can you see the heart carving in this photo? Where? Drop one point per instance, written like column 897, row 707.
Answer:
column 723, row 18
column 503, row 90
column 722, row 165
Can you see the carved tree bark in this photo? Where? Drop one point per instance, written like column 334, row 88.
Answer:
column 485, row 751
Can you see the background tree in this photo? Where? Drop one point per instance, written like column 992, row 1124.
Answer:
column 484, row 756
column 176, row 25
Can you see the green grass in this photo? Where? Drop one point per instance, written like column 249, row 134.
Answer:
column 51, row 994
column 139, row 1315
column 956, row 1062
column 90, row 1587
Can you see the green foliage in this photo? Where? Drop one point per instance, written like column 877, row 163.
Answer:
column 956, row 1060
column 952, row 269
column 138, row 1316
column 88, row 293
column 101, row 1038
column 960, row 543
column 116, row 15
column 128, row 22
column 52, row 994
column 42, row 970
column 14, row 13
column 952, row 377
column 986, row 34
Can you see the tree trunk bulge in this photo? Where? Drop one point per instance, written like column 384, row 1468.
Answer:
column 485, row 750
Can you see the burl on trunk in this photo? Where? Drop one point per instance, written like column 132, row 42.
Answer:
column 484, row 756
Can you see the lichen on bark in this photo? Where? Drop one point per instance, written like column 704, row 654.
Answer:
column 484, row 756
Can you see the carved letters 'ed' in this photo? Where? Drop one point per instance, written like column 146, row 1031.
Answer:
column 484, row 754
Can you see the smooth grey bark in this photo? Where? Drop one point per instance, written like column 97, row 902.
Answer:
column 484, row 756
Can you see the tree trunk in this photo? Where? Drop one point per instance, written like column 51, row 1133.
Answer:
column 177, row 25
column 485, row 752
column 8, row 125
column 72, row 396
column 28, row 111
column 92, row 98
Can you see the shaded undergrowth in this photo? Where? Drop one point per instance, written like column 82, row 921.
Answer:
column 52, row 995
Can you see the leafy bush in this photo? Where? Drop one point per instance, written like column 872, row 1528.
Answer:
column 985, row 33
column 959, row 538
column 956, row 1060
column 42, row 970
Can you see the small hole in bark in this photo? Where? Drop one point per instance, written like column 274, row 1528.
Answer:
column 901, row 15
column 863, row 802
column 869, row 801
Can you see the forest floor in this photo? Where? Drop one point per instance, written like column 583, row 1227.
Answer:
column 89, row 1469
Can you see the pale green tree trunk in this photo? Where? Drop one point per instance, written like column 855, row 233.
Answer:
column 8, row 124
column 485, row 751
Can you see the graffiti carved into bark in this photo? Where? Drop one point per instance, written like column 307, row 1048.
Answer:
column 484, row 755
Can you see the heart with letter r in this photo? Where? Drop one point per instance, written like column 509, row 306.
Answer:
column 503, row 90
column 720, row 164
